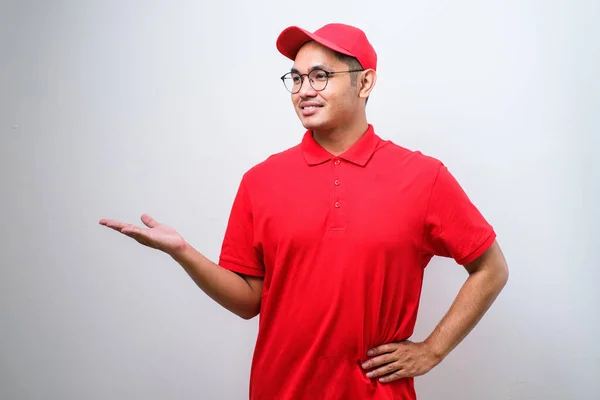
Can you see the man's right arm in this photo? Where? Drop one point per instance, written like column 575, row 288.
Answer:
column 238, row 287
column 240, row 294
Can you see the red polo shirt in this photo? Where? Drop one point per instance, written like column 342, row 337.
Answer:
column 342, row 243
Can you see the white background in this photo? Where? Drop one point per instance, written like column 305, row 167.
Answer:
column 116, row 108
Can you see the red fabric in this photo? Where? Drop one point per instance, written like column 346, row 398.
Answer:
column 345, row 39
column 342, row 243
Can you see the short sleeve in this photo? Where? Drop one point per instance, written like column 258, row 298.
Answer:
column 454, row 227
column 239, row 253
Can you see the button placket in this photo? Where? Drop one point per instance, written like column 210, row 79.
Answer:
column 338, row 199
column 336, row 182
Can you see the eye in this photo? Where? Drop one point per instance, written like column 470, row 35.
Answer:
column 319, row 75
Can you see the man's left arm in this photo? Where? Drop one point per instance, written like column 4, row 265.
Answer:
column 488, row 275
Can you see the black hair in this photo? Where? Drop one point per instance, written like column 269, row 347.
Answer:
column 352, row 64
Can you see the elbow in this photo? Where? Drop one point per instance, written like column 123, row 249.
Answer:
column 498, row 275
column 250, row 312
column 504, row 274
column 248, row 316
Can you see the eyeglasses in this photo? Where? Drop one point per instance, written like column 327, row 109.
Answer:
column 317, row 77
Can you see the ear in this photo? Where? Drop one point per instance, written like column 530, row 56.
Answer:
column 367, row 83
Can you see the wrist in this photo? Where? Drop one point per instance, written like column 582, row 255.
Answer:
column 436, row 349
column 180, row 251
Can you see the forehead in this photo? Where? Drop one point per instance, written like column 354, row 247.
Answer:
column 312, row 54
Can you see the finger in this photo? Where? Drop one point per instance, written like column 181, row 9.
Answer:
column 140, row 235
column 379, row 360
column 133, row 230
column 400, row 374
column 383, row 371
column 111, row 223
column 385, row 348
column 149, row 221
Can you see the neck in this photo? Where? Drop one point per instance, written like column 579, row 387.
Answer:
column 339, row 139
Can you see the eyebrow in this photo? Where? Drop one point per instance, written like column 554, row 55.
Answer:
column 318, row 66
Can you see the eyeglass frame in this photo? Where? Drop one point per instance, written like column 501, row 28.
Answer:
column 327, row 75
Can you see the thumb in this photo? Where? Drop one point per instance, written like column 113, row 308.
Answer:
column 149, row 221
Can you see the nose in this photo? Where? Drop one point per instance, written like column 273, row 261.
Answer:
column 306, row 90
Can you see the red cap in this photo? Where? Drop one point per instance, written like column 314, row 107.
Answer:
column 342, row 38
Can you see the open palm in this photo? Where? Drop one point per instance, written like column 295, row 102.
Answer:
column 157, row 236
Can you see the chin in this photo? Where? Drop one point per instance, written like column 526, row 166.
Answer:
column 312, row 124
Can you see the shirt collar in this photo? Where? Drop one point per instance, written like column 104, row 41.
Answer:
column 359, row 153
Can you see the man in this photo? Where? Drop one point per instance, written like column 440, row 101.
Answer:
column 328, row 241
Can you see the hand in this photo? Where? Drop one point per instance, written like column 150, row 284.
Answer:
column 159, row 236
column 400, row 360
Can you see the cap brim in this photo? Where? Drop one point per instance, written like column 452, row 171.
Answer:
column 293, row 38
